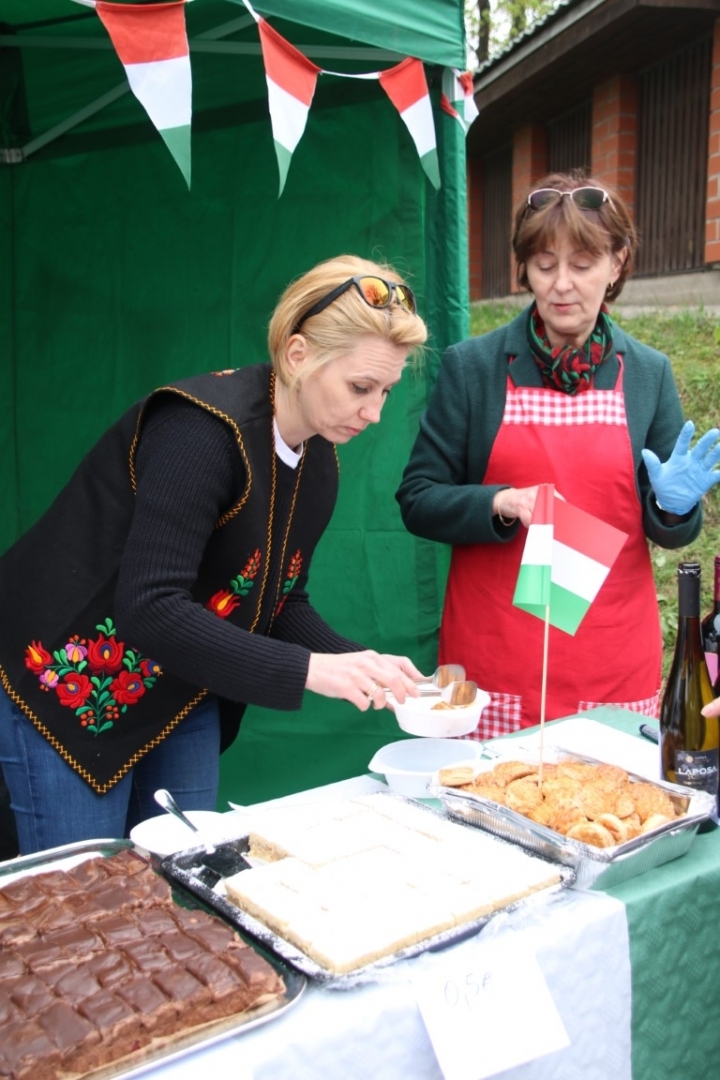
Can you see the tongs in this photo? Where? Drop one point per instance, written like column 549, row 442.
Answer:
column 458, row 694
column 455, row 694
column 441, row 678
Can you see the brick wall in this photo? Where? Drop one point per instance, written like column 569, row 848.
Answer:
column 614, row 135
column 614, row 160
column 529, row 164
column 712, row 221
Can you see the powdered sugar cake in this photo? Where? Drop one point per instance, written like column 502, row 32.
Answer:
column 351, row 881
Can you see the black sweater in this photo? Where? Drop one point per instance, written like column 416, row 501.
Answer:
column 187, row 476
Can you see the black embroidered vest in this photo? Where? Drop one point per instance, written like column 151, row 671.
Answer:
column 99, row 701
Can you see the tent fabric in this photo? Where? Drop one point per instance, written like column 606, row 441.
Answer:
column 432, row 31
column 114, row 279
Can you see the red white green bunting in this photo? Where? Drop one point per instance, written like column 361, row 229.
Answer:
column 406, row 86
column 151, row 43
column 457, row 98
column 291, row 80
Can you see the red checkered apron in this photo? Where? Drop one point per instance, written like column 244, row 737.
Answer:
column 582, row 446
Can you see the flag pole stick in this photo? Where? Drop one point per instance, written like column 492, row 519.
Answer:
column 543, row 691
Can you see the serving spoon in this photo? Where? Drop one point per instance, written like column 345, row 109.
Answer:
column 217, row 863
column 164, row 799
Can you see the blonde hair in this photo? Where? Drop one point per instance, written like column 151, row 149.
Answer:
column 608, row 229
column 334, row 332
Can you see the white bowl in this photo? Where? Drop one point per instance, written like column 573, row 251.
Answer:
column 164, row 834
column 409, row 764
column 418, row 716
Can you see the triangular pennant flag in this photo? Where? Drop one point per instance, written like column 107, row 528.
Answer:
column 151, row 42
column 291, row 80
column 457, row 97
column 567, row 556
column 406, row 86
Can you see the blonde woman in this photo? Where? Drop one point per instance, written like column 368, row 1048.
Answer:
column 166, row 587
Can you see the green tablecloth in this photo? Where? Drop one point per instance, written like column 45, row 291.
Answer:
column 673, row 914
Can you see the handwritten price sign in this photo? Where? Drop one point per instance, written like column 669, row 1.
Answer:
column 487, row 1010
column 469, row 991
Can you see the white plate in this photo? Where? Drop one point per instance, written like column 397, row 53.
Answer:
column 409, row 764
column 164, row 834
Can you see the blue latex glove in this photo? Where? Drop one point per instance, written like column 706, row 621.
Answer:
column 687, row 475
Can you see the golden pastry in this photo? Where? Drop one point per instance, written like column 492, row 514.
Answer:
column 592, row 833
column 496, row 792
column 565, row 816
column 618, row 829
column 513, row 770
column 575, row 796
column 456, row 775
column 654, row 821
column 522, row 795
column 650, row 800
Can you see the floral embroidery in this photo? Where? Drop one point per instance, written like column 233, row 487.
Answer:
column 293, row 573
column 224, row 602
column 98, row 678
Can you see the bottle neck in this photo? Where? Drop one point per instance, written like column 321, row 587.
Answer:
column 689, row 597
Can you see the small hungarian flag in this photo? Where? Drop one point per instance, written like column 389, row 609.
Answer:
column 457, row 97
column 567, row 556
column 406, row 86
column 291, row 80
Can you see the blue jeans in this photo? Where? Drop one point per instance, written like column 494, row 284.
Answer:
column 53, row 805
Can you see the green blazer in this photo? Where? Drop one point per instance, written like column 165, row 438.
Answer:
column 442, row 496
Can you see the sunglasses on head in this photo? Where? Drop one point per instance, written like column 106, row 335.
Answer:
column 585, row 198
column 375, row 291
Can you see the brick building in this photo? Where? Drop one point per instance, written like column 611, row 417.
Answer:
column 629, row 89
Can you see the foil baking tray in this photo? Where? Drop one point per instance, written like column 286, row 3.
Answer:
column 182, row 1044
column 595, row 868
column 188, row 870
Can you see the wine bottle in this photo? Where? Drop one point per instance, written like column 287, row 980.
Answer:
column 689, row 741
column 710, row 628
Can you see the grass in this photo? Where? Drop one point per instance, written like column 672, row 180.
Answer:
column 692, row 341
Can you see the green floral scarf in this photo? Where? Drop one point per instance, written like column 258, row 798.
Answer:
column 564, row 367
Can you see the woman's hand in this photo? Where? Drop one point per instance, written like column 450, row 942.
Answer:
column 713, row 709
column 362, row 677
column 680, row 482
column 511, row 503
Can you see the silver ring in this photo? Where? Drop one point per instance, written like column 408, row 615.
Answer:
column 372, row 691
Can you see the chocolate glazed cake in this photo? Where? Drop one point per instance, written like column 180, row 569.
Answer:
column 99, row 968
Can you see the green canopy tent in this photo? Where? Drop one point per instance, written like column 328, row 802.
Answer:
column 115, row 278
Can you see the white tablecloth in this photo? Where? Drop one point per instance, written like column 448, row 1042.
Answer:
column 376, row 1030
